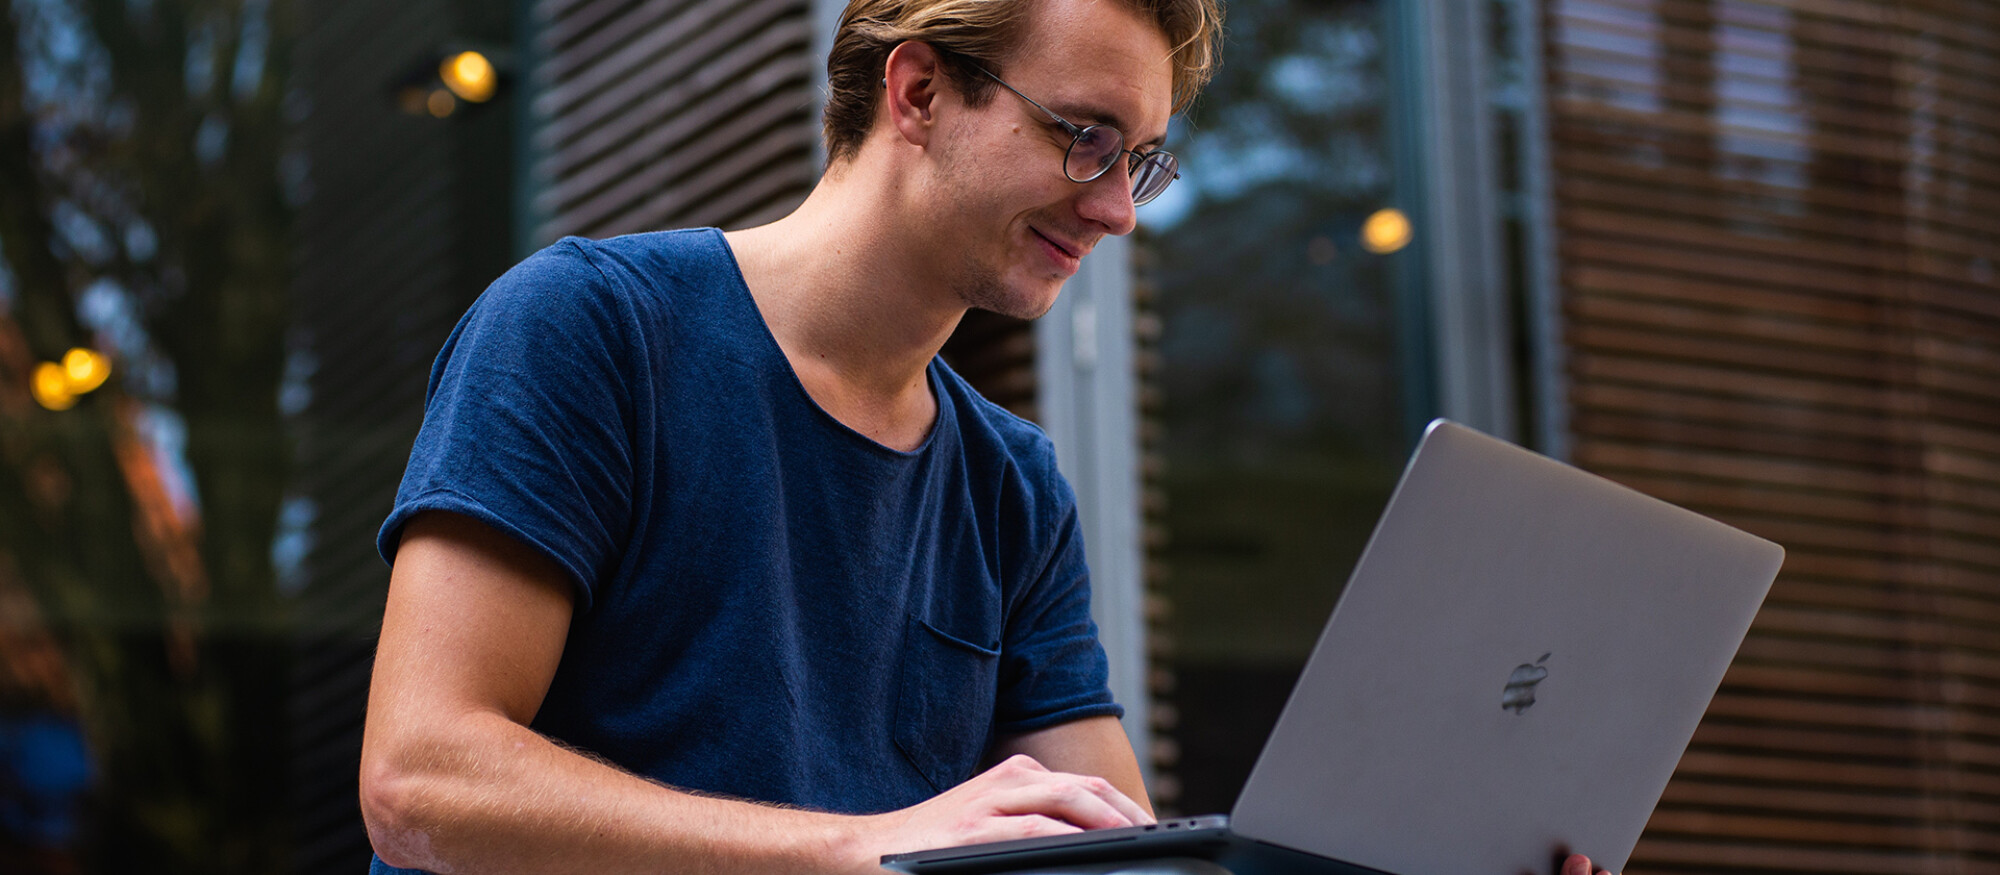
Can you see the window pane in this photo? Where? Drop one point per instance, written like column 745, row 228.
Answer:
column 1283, row 406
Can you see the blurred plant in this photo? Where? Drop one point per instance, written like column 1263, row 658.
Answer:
column 144, row 213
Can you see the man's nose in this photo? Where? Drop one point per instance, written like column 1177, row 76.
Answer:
column 1107, row 201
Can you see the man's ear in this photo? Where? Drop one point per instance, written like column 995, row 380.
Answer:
column 914, row 82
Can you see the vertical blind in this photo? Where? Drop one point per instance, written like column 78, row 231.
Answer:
column 1777, row 228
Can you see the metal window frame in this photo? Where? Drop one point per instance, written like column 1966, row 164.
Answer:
column 1456, row 200
column 1545, row 326
column 1461, row 318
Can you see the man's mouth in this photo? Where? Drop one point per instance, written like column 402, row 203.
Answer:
column 1065, row 254
column 1069, row 249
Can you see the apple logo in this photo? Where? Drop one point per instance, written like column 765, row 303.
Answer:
column 1520, row 691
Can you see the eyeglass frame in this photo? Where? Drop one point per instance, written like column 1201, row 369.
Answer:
column 1076, row 137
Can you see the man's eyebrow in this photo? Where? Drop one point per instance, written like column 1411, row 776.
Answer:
column 1084, row 115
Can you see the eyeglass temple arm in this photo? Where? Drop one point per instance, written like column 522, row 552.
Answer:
column 1066, row 123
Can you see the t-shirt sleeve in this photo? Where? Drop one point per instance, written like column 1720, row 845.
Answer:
column 528, row 418
column 1053, row 668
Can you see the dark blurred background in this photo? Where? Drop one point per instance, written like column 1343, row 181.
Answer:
column 1739, row 255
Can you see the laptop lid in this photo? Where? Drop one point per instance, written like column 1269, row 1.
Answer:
column 1515, row 667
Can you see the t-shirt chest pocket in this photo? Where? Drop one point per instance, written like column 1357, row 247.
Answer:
column 944, row 703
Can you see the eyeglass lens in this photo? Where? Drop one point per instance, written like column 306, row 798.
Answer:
column 1152, row 176
column 1097, row 146
column 1092, row 153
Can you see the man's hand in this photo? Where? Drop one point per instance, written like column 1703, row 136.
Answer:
column 1019, row 798
column 1578, row 864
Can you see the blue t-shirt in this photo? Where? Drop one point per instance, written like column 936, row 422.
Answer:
column 769, row 605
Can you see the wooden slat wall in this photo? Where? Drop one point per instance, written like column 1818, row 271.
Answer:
column 655, row 114
column 658, row 114
column 1148, row 326
column 1777, row 225
column 382, row 274
column 996, row 354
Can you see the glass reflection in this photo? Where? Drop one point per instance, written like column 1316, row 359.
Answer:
column 144, row 223
column 1282, row 402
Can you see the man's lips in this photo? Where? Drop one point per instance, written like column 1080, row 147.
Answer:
column 1066, row 254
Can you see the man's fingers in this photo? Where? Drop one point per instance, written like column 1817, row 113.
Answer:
column 1578, row 864
column 1130, row 809
column 1089, row 803
column 1023, row 772
column 1021, row 762
column 1019, row 798
column 1024, row 768
column 1063, row 801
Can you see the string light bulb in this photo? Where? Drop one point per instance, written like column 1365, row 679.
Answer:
column 1386, row 231
column 470, row 76
column 57, row 385
column 50, row 387
column 85, row 369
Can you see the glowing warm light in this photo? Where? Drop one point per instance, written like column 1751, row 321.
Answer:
column 51, row 387
column 57, row 385
column 1386, row 231
column 470, row 76
column 85, row 370
column 440, row 103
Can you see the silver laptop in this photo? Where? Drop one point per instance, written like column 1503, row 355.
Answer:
column 1512, row 673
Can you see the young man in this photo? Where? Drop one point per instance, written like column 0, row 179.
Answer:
column 703, row 562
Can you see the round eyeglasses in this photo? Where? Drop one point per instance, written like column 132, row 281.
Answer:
column 1094, row 148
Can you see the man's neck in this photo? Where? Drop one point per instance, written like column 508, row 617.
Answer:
column 858, row 311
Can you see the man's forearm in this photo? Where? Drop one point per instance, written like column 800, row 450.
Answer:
column 495, row 797
column 454, row 781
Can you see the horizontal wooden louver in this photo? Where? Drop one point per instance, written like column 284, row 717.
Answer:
column 670, row 113
column 654, row 114
column 1777, row 228
column 383, row 269
column 996, row 354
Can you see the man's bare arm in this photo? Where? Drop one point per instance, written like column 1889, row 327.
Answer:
column 453, row 780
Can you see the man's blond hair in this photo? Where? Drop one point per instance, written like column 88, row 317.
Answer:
column 984, row 32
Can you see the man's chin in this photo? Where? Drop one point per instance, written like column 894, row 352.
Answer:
column 1044, row 304
column 1034, row 309
column 1026, row 301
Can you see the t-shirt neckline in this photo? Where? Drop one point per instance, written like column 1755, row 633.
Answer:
column 776, row 353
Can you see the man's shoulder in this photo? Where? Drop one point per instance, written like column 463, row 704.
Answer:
column 986, row 427
column 623, row 276
column 678, row 243
column 649, row 258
